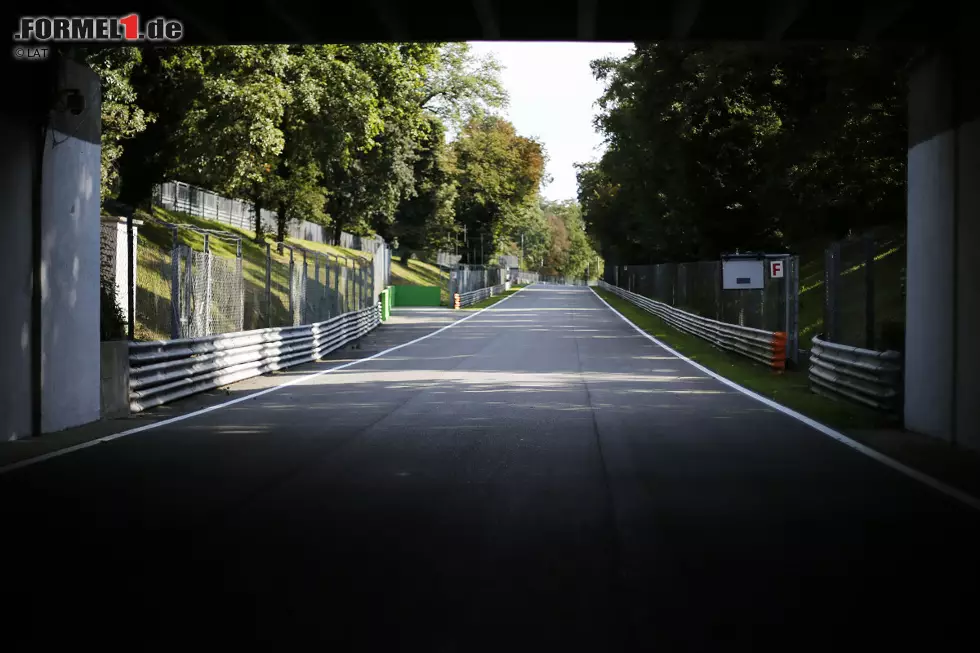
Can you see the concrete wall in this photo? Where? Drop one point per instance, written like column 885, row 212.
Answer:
column 114, row 377
column 68, row 341
column 70, row 259
column 942, row 359
column 16, row 273
column 113, row 243
column 967, row 380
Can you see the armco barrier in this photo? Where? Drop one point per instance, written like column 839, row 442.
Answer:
column 165, row 370
column 872, row 378
column 462, row 300
column 766, row 347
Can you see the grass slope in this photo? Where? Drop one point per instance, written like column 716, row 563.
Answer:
column 420, row 273
column 153, row 271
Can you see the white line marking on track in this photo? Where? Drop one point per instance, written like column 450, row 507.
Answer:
column 934, row 483
column 179, row 418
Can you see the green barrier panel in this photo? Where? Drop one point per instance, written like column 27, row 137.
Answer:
column 416, row 296
column 385, row 299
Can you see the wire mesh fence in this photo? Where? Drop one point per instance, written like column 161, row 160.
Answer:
column 154, row 302
column 226, row 291
column 192, row 282
column 697, row 287
column 467, row 278
column 864, row 291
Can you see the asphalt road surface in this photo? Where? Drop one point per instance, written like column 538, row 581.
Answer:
column 538, row 477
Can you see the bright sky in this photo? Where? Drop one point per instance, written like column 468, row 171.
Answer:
column 552, row 97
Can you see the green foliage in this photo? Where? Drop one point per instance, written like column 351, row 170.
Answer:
column 122, row 117
column 713, row 148
column 353, row 136
column 460, row 86
column 500, row 174
column 569, row 252
column 112, row 322
column 426, row 220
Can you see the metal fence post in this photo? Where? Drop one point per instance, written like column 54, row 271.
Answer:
column 188, row 290
column 207, row 285
column 174, row 285
column 268, row 284
column 240, row 263
column 869, row 292
column 793, row 335
column 130, row 278
column 292, row 284
column 303, row 317
column 316, row 278
column 831, row 279
column 349, row 285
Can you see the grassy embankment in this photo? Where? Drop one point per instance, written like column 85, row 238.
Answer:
column 153, row 279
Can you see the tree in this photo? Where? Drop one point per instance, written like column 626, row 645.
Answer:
column 367, row 185
column 500, row 174
column 232, row 133
column 219, row 112
column 713, row 148
column 460, row 86
column 122, row 117
column 426, row 220
column 570, row 251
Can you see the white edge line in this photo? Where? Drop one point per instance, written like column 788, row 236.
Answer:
column 934, row 483
column 179, row 418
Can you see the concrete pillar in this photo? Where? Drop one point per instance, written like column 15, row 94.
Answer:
column 49, row 323
column 942, row 357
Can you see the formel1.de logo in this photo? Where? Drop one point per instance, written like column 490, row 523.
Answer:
column 36, row 32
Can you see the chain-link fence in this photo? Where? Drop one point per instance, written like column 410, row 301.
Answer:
column 178, row 196
column 155, row 270
column 864, row 291
column 697, row 287
column 467, row 278
column 192, row 282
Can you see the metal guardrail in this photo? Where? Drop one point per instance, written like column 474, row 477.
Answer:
column 766, row 347
column 462, row 300
column 872, row 378
column 165, row 370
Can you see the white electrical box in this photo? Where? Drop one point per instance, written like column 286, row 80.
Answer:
column 743, row 274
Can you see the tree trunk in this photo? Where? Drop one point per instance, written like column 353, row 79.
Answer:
column 281, row 221
column 338, row 229
column 257, row 202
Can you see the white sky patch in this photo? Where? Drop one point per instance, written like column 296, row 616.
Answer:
column 552, row 97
